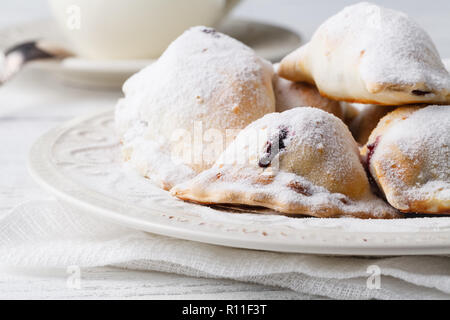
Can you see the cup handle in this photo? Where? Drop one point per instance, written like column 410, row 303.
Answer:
column 229, row 5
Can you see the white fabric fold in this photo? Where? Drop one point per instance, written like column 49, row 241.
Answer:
column 45, row 234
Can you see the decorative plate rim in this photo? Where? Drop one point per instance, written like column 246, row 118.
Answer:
column 314, row 240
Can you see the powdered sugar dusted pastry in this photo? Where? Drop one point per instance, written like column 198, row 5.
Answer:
column 447, row 64
column 369, row 54
column 178, row 112
column 362, row 125
column 301, row 161
column 408, row 155
column 289, row 95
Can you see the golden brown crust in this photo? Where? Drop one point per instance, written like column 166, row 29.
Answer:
column 377, row 103
column 386, row 122
column 348, row 60
column 292, row 68
column 423, row 207
column 317, row 172
column 397, row 173
column 290, row 95
column 255, row 194
column 293, row 210
column 362, row 125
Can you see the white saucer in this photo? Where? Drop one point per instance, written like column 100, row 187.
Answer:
column 79, row 163
column 270, row 42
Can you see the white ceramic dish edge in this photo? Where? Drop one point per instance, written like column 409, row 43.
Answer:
column 74, row 195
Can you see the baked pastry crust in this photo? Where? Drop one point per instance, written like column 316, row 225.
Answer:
column 289, row 95
column 372, row 55
column 303, row 161
column 179, row 113
column 408, row 155
column 362, row 125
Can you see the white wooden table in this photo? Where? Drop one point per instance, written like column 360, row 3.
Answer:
column 33, row 103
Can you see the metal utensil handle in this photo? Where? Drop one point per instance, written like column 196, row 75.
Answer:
column 17, row 56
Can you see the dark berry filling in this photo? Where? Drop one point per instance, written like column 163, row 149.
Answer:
column 420, row 92
column 273, row 146
column 371, row 150
column 212, row 32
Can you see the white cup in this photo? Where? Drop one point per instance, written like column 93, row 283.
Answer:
column 132, row 29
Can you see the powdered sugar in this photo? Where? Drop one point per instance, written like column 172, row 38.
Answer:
column 201, row 65
column 308, row 128
column 204, row 78
column 279, row 196
column 393, row 47
column 369, row 54
column 424, row 139
column 447, row 64
column 316, row 170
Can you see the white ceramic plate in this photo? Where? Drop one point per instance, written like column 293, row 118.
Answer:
column 79, row 163
column 269, row 41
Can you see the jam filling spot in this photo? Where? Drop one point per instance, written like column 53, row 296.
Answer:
column 273, row 146
column 299, row 188
column 371, row 150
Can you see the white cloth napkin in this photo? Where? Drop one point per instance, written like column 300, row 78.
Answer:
column 45, row 234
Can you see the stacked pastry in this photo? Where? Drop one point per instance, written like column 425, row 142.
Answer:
column 213, row 123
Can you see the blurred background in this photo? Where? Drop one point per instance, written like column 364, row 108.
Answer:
column 300, row 15
column 137, row 31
